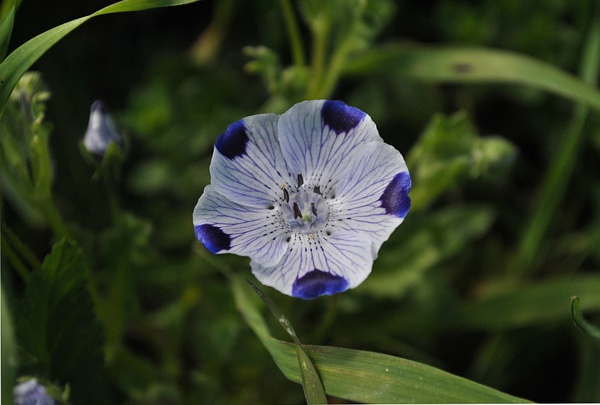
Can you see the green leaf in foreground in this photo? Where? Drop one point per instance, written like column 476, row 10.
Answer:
column 22, row 58
column 470, row 65
column 60, row 337
column 580, row 322
column 362, row 376
column 311, row 383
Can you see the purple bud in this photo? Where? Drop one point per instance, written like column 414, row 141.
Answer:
column 100, row 131
column 31, row 392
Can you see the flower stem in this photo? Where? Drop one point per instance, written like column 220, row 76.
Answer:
column 293, row 33
column 320, row 28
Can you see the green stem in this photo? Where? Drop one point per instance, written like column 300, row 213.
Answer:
column 21, row 249
column 557, row 178
column 293, row 33
column 55, row 221
column 15, row 260
column 320, row 29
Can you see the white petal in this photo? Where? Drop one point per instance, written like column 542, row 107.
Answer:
column 319, row 264
column 226, row 227
column 247, row 165
column 317, row 136
column 360, row 203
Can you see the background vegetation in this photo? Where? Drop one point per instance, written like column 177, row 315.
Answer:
column 494, row 105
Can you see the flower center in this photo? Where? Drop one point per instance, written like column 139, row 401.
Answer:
column 304, row 208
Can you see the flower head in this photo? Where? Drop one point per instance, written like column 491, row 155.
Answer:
column 31, row 392
column 309, row 196
column 100, row 131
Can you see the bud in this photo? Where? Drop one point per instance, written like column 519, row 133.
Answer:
column 31, row 392
column 100, row 131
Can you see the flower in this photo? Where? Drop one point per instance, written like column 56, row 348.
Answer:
column 310, row 196
column 100, row 131
column 30, row 392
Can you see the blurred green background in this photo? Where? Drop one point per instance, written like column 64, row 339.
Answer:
column 473, row 282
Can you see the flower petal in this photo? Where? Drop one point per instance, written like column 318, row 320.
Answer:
column 316, row 136
column 247, row 165
column 227, row 227
column 371, row 194
column 319, row 264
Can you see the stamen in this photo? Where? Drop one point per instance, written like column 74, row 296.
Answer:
column 313, row 208
column 300, row 180
column 286, row 195
column 297, row 212
column 317, row 190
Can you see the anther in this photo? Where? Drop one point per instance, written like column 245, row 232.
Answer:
column 313, row 208
column 297, row 212
column 286, row 195
column 317, row 190
column 300, row 180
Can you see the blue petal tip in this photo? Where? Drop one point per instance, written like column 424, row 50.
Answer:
column 317, row 283
column 341, row 117
column 213, row 238
column 233, row 142
column 395, row 198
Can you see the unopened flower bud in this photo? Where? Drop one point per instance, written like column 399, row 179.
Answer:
column 100, row 131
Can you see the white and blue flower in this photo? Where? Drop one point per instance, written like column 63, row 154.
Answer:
column 101, row 130
column 30, row 392
column 309, row 196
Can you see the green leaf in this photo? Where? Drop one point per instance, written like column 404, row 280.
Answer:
column 470, row 65
column 6, row 26
column 22, row 58
column 538, row 303
column 57, row 330
column 362, row 376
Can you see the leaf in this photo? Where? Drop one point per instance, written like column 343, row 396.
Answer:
column 362, row 376
column 539, row 303
column 57, row 329
column 22, row 58
column 6, row 26
column 470, row 65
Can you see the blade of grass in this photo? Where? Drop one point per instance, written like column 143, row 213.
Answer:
column 6, row 26
column 361, row 376
column 470, row 65
column 22, row 58
column 542, row 302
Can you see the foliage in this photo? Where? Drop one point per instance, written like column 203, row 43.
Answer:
column 107, row 297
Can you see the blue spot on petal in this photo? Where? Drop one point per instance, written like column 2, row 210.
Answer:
column 341, row 117
column 317, row 283
column 213, row 238
column 233, row 142
column 395, row 198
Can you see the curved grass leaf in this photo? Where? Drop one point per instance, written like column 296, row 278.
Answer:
column 580, row 322
column 22, row 58
column 6, row 26
column 471, row 65
column 362, row 376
